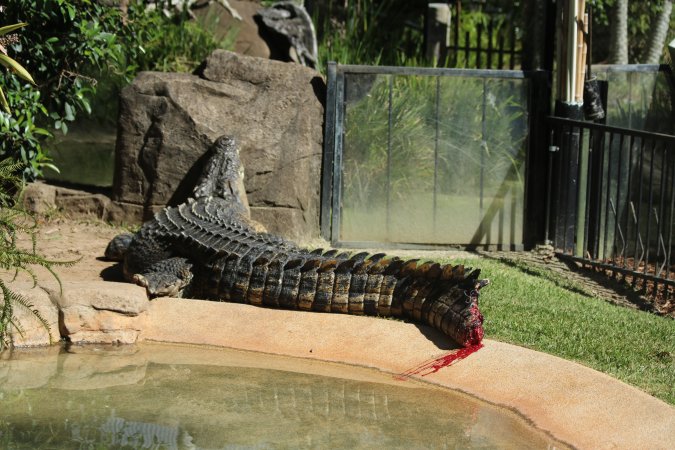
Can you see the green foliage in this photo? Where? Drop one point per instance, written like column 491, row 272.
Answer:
column 641, row 19
column 21, row 136
column 15, row 223
column 156, row 42
column 71, row 45
column 8, row 62
column 361, row 32
column 63, row 42
column 63, row 39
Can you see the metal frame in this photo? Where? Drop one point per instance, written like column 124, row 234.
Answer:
column 333, row 140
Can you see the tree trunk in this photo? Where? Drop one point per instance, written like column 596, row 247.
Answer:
column 659, row 31
column 618, row 52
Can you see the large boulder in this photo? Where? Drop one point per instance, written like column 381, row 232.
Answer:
column 168, row 121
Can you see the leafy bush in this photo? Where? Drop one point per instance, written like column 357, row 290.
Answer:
column 71, row 45
column 64, row 42
column 21, row 136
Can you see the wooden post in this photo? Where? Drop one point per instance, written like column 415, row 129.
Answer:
column 437, row 31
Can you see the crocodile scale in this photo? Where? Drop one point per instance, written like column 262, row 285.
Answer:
column 206, row 248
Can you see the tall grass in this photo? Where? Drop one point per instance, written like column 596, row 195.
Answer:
column 368, row 32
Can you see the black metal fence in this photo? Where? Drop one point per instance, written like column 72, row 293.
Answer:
column 612, row 201
column 492, row 43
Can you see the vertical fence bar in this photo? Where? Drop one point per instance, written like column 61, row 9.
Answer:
column 598, row 139
column 467, row 42
column 659, row 223
column 512, row 62
column 617, row 208
column 329, row 150
column 500, row 57
column 595, row 171
column 489, row 49
column 564, row 176
column 552, row 148
column 337, row 156
column 458, row 17
column 649, row 205
column 589, row 213
column 628, row 205
column 479, row 32
column 389, row 158
column 573, row 189
column 638, row 237
column 608, row 197
column 582, row 195
column 670, row 222
column 607, row 150
column 436, row 145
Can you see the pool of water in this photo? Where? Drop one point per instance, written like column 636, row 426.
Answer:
column 83, row 157
column 182, row 397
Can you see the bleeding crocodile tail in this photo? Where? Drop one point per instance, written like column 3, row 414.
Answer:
column 444, row 297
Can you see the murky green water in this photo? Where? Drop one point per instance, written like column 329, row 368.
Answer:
column 83, row 157
column 174, row 397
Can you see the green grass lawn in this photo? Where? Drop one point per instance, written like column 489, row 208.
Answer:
column 533, row 309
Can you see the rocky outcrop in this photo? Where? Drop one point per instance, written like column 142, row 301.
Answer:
column 274, row 109
column 87, row 312
column 90, row 313
column 46, row 199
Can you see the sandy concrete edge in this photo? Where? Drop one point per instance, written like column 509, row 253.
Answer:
column 575, row 404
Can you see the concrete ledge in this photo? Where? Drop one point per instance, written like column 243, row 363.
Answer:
column 577, row 405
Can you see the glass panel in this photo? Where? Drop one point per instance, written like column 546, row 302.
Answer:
column 638, row 99
column 365, row 169
column 433, row 160
column 460, row 137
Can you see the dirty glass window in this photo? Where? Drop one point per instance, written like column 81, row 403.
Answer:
column 433, row 159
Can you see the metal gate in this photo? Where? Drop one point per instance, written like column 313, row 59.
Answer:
column 426, row 157
column 612, row 198
column 611, row 192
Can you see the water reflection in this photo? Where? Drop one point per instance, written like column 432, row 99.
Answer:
column 187, row 398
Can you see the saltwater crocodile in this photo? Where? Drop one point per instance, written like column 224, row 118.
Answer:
column 207, row 248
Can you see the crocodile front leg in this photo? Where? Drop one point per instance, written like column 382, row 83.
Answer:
column 166, row 278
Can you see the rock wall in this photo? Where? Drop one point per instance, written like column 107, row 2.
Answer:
column 167, row 122
column 82, row 312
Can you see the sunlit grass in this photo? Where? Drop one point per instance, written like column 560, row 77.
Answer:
column 538, row 311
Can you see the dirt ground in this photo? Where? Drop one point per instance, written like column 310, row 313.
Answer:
column 80, row 241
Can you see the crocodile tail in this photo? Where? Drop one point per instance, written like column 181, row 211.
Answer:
column 444, row 297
